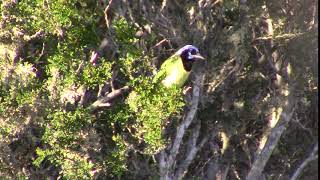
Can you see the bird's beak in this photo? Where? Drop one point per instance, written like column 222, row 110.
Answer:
column 198, row 56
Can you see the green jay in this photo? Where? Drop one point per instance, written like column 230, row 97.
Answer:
column 174, row 72
column 176, row 69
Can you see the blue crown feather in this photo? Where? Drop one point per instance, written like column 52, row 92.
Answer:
column 186, row 47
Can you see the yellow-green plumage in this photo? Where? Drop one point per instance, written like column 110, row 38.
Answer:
column 172, row 72
column 153, row 103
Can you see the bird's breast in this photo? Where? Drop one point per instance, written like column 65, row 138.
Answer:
column 176, row 77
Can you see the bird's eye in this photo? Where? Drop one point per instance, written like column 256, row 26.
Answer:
column 193, row 52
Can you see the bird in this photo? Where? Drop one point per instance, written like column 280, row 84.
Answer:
column 176, row 69
column 154, row 102
column 173, row 73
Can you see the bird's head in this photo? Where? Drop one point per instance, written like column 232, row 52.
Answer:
column 189, row 54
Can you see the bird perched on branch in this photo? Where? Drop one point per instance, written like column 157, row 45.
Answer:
column 153, row 103
column 176, row 69
column 174, row 72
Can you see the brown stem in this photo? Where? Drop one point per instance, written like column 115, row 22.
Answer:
column 104, row 101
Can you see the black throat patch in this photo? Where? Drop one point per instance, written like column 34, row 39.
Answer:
column 187, row 64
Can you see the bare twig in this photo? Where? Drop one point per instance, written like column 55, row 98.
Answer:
column 225, row 172
column 104, row 101
column 80, row 68
column 279, row 37
column 42, row 51
column 192, row 151
column 312, row 156
column 108, row 14
column 164, row 5
column 224, row 74
column 163, row 41
column 39, row 34
column 313, row 23
column 308, row 130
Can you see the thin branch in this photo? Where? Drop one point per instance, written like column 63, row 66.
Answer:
column 163, row 41
column 279, row 37
column 303, row 127
column 192, row 151
column 225, row 73
column 167, row 160
column 312, row 156
column 104, row 101
column 187, row 121
column 108, row 14
column 42, row 51
column 225, row 172
column 273, row 139
column 80, row 68
column 164, row 5
column 38, row 35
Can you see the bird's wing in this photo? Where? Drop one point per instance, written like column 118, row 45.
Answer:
column 165, row 68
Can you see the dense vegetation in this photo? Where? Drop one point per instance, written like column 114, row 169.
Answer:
column 77, row 99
